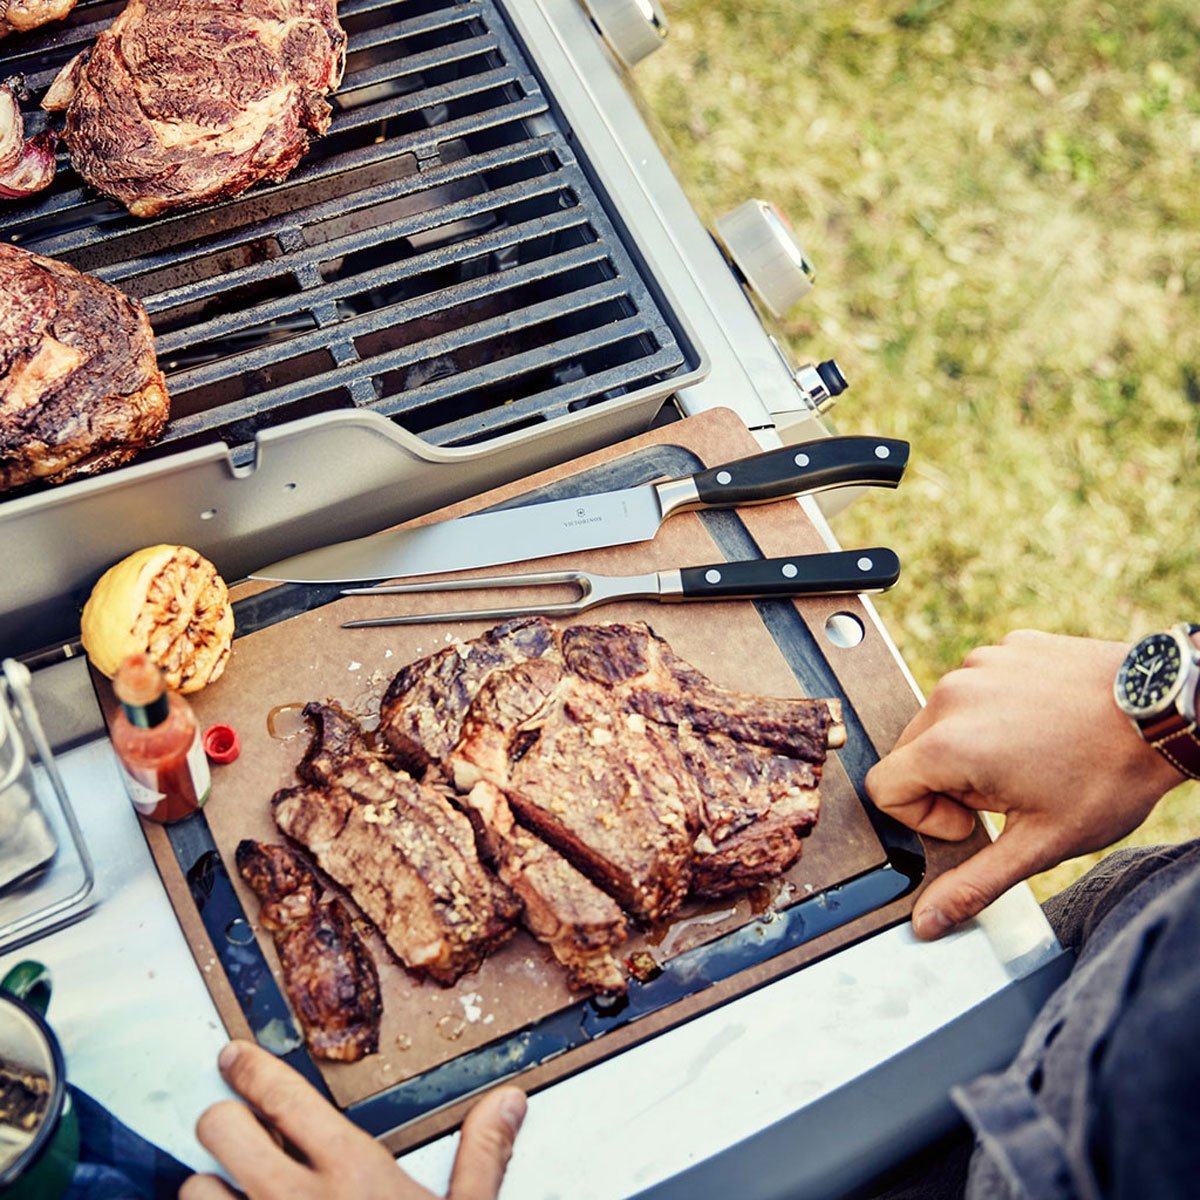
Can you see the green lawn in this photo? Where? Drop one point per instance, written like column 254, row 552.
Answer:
column 1003, row 204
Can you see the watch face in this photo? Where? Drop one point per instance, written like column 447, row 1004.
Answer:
column 1150, row 676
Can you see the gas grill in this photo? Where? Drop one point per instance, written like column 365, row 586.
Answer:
column 484, row 269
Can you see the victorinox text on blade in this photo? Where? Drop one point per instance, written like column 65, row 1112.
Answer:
column 608, row 519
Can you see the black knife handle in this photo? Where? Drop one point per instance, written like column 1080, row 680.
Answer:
column 808, row 467
column 842, row 571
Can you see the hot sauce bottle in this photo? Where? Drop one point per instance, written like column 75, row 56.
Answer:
column 157, row 740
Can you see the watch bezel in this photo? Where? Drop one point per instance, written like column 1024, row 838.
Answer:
column 1169, row 702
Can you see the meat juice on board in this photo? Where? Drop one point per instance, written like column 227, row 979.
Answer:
column 157, row 740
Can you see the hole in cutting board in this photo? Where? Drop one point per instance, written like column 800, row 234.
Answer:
column 844, row 630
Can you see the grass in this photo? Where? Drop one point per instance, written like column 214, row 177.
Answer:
column 1001, row 200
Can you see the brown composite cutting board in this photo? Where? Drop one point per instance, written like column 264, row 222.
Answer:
column 308, row 657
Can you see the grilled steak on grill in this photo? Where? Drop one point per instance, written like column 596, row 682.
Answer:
column 401, row 850
column 80, row 389
column 329, row 974
column 186, row 102
column 16, row 16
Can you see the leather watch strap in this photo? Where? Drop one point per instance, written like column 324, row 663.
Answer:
column 1182, row 750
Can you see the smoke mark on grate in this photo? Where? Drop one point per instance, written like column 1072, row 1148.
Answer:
column 439, row 257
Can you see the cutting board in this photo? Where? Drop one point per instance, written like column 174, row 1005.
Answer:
column 515, row 1017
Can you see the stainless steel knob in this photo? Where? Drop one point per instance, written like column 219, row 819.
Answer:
column 633, row 29
column 759, row 242
column 820, row 384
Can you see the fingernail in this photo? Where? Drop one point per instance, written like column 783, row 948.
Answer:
column 512, row 1109
column 228, row 1053
column 931, row 923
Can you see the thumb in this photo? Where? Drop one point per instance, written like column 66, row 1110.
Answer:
column 486, row 1145
column 1020, row 851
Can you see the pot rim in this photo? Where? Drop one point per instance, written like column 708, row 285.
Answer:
column 49, row 1124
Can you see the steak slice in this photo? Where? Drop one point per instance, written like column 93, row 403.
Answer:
column 422, row 711
column 329, row 975
column 401, row 850
column 185, row 102
column 610, row 793
column 562, row 909
column 80, row 388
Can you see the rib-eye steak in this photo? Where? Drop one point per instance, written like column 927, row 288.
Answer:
column 80, row 388
column 635, row 766
column 328, row 973
column 597, row 771
column 400, row 849
column 185, row 102
column 16, row 16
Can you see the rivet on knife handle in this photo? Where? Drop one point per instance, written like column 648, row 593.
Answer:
column 849, row 571
column 793, row 471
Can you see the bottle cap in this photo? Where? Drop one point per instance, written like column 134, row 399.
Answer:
column 221, row 743
column 139, row 686
column 138, row 680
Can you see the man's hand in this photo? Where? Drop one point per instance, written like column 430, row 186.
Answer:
column 1028, row 728
column 342, row 1162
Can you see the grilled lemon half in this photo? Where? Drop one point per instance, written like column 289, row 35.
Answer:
column 165, row 601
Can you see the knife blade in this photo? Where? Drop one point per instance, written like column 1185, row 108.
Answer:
column 591, row 522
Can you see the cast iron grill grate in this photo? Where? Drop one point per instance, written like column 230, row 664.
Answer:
column 440, row 256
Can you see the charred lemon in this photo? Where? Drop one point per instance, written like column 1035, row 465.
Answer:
column 165, row 601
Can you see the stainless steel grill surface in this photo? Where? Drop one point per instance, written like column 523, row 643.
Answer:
column 439, row 257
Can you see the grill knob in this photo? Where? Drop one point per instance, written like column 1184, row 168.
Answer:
column 758, row 241
column 633, row 29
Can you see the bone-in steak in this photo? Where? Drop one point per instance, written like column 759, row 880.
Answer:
column 404, row 854
column 329, row 974
column 80, row 388
column 185, row 102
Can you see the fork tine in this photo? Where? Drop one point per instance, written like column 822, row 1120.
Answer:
column 580, row 578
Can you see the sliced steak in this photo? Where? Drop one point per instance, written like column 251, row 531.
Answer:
column 328, row 973
column 401, row 850
column 80, row 388
column 646, row 775
column 185, row 102
column 561, row 908
column 422, row 711
column 610, row 793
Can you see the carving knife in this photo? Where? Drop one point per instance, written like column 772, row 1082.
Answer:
column 607, row 519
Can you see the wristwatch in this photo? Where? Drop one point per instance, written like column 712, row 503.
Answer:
column 1156, row 689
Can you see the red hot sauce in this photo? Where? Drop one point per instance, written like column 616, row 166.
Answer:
column 157, row 740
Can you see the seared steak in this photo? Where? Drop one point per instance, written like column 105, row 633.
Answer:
column 401, row 850
column 580, row 924
column 423, row 709
column 600, row 784
column 16, row 16
column 329, row 975
column 80, row 389
column 642, row 772
column 185, row 102
column 755, row 761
